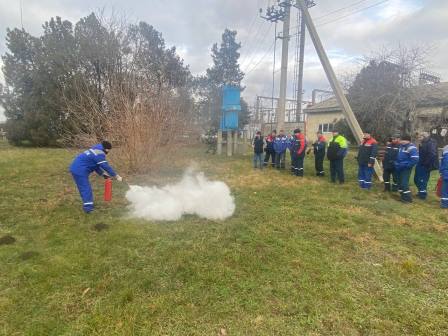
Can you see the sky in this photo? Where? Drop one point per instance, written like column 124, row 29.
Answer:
column 349, row 29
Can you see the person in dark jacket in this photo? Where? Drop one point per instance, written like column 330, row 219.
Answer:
column 444, row 175
column 258, row 145
column 366, row 160
column 290, row 144
column 269, row 149
column 298, row 149
column 428, row 162
column 392, row 147
column 336, row 152
column 319, row 149
column 89, row 161
column 280, row 146
column 407, row 158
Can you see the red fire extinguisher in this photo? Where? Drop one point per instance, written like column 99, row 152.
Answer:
column 439, row 187
column 108, row 189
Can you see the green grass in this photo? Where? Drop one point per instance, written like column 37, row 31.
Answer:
column 299, row 257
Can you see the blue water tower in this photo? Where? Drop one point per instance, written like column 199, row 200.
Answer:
column 231, row 107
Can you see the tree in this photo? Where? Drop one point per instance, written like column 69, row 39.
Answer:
column 224, row 71
column 36, row 71
column 383, row 94
column 63, row 86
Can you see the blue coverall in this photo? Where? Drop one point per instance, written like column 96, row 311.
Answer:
column 406, row 160
column 280, row 146
column 93, row 159
column 444, row 174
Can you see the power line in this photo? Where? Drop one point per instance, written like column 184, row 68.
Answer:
column 251, row 25
column 340, row 9
column 352, row 13
column 261, row 59
column 347, row 7
column 249, row 59
column 255, row 42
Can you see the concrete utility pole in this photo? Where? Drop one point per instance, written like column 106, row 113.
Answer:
column 284, row 67
column 301, row 59
column 335, row 85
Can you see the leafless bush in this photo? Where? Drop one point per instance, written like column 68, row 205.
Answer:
column 139, row 123
column 131, row 90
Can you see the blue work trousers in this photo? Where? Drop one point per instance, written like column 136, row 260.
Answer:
column 403, row 187
column 85, row 190
column 365, row 174
column 421, row 178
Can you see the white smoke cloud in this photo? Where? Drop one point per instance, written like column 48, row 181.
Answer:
column 194, row 195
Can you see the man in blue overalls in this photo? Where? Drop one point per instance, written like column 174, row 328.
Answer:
column 93, row 159
column 407, row 158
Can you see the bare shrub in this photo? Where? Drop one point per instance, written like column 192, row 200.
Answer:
column 139, row 123
column 131, row 90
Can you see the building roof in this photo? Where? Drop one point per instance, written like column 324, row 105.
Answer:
column 435, row 94
column 328, row 105
column 427, row 95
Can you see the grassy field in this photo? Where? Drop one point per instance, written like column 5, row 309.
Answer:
column 299, row 257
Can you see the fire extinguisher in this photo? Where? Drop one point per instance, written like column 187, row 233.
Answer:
column 108, row 189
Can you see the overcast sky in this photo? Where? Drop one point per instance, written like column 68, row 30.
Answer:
column 349, row 29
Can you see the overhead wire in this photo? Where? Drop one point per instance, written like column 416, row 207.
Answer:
column 323, row 24
column 352, row 13
column 254, row 45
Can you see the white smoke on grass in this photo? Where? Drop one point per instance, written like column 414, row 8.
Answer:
column 194, row 195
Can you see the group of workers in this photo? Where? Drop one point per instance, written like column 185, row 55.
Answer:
column 399, row 160
column 274, row 146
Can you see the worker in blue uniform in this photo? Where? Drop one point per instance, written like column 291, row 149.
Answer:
column 429, row 161
column 93, row 159
column 280, row 146
column 407, row 158
column 444, row 175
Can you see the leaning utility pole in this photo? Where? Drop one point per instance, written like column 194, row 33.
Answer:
column 335, row 85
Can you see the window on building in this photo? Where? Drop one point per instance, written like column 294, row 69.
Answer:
column 326, row 128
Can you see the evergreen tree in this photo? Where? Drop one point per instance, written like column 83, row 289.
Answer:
column 225, row 71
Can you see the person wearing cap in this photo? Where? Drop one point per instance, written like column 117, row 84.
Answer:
column 269, row 150
column 392, row 147
column 280, row 146
column 298, row 149
column 89, row 161
column 336, row 152
column 407, row 158
column 366, row 160
column 258, row 145
column 444, row 175
column 427, row 162
column 319, row 148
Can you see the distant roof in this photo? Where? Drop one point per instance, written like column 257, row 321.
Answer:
column 431, row 94
column 328, row 105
